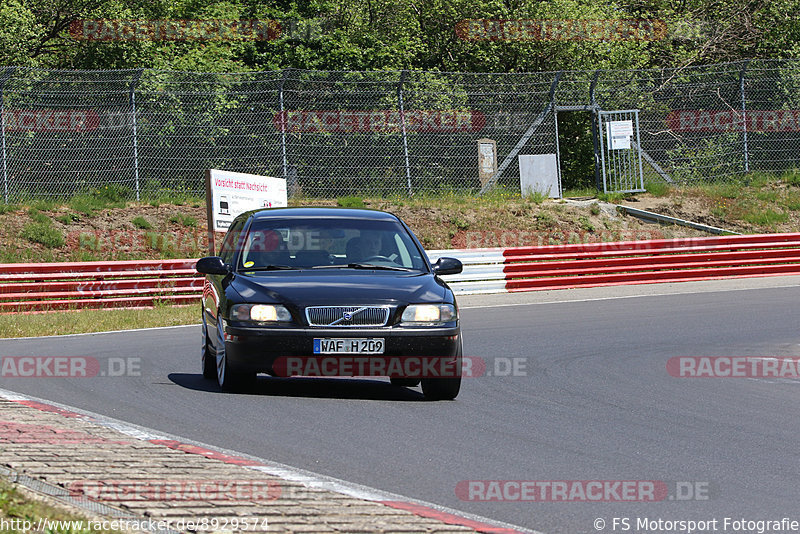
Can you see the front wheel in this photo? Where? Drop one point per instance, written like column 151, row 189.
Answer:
column 441, row 388
column 208, row 359
column 444, row 388
column 228, row 377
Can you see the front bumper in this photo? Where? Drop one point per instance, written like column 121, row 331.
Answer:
column 264, row 350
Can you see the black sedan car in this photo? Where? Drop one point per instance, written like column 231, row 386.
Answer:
column 329, row 292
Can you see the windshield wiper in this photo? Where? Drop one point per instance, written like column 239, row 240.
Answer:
column 271, row 268
column 374, row 266
column 371, row 266
column 337, row 266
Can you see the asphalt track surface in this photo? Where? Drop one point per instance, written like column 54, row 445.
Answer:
column 593, row 402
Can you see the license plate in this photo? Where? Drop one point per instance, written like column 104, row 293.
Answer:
column 348, row 345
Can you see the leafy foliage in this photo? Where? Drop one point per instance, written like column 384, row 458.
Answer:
column 398, row 34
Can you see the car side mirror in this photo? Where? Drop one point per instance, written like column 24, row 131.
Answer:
column 212, row 265
column 447, row 266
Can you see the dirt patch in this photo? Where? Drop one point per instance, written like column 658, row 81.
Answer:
column 164, row 231
column 179, row 231
column 761, row 208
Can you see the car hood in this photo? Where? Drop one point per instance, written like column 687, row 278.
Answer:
column 340, row 287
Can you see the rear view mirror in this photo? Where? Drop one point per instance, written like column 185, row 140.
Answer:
column 211, row 265
column 447, row 266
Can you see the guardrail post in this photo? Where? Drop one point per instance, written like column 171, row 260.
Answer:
column 403, row 124
column 7, row 73
column 132, row 103
column 744, row 117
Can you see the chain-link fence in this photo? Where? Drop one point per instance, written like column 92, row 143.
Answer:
column 376, row 133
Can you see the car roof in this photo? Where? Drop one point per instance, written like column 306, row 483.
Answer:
column 322, row 212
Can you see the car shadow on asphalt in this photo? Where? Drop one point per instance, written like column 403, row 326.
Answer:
column 326, row 388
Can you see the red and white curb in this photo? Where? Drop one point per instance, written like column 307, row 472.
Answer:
column 307, row 478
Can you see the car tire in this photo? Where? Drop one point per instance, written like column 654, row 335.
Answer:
column 444, row 388
column 405, row 382
column 229, row 378
column 209, row 360
column 441, row 388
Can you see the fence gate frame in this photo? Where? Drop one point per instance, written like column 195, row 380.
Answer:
column 625, row 162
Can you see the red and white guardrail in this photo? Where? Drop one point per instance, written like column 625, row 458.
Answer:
column 26, row 287
column 116, row 284
column 497, row 270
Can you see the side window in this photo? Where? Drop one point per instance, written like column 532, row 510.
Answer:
column 228, row 248
column 405, row 257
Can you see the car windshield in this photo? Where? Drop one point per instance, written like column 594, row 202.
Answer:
column 329, row 243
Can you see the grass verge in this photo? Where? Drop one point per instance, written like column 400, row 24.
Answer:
column 84, row 321
column 18, row 505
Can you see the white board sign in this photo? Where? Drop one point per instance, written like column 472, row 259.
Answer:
column 487, row 160
column 487, row 157
column 231, row 193
column 619, row 134
column 539, row 173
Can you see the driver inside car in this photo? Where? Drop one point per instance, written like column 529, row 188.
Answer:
column 361, row 248
column 371, row 244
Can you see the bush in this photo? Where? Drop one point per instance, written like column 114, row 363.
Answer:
column 459, row 223
column 183, row 220
column 766, row 218
column 537, row 197
column 141, row 222
column 68, row 218
column 792, row 177
column 611, row 197
column 112, row 194
column 43, row 233
column 350, row 202
column 38, row 217
column 657, row 189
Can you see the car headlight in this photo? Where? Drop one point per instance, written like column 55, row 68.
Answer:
column 261, row 313
column 429, row 314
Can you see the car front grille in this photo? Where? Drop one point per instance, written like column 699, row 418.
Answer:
column 347, row 316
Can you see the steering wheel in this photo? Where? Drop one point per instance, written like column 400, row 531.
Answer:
column 379, row 258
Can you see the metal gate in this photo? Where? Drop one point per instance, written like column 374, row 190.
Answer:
column 620, row 155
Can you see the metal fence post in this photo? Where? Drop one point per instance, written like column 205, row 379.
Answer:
column 598, row 179
column 132, row 103
column 744, row 117
column 3, row 141
column 7, row 73
column 3, row 145
column 283, row 126
column 403, row 124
